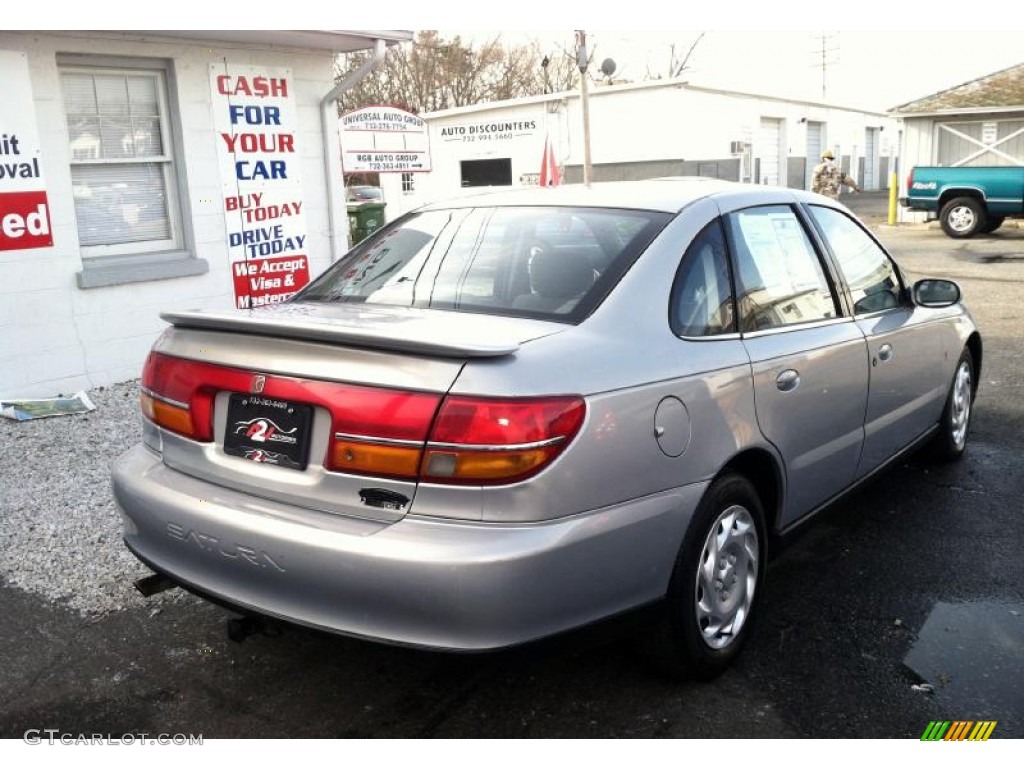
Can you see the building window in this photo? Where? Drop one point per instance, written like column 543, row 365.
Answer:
column 487, row 173
column 124, row 173
column 408, row 183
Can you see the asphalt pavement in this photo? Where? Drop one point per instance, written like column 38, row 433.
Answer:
column 900, row 605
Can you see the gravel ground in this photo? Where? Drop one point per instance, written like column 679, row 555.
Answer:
column 60, row 532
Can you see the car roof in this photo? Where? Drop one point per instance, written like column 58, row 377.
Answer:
column 670, row 194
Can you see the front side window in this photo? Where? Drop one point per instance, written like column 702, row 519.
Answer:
column 702, row 302
column 122, row 167
column 779, row 277
column 545, row 262
column 868, row 272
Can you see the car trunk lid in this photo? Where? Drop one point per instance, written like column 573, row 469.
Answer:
column 356, row 386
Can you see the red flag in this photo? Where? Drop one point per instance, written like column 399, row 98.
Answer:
column 549, row 175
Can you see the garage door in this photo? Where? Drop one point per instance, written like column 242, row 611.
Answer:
column 815, row 142
column 870, row 180
column 981, row 142
column 769, row 150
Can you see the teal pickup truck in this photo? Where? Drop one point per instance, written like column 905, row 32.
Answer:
column 967, row 200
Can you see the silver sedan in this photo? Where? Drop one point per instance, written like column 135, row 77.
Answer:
column 507, row 416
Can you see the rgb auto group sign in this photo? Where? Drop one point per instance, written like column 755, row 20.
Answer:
column 384, row 140
column 255, row 120
column 24, row 208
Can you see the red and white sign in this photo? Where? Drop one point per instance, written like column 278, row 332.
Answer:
column 256, row 123
column 384, row 140
column 24, row 209
column 259, row 282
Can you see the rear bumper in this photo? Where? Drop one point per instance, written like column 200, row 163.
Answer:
column 420, row 581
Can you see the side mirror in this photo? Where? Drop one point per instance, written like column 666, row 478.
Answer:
column 936, row 293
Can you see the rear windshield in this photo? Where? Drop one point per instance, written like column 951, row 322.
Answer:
column 545, row 262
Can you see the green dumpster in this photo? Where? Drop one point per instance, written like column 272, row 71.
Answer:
column 364, row 219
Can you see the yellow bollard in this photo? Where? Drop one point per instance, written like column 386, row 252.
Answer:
column 893, row 191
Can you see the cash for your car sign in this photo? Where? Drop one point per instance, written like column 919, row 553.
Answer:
column 24, row 209
column 384, row 140
column 255, row 121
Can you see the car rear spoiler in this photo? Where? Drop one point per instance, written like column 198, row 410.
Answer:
column 420, row 339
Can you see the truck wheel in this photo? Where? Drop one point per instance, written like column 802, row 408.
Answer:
column 963, row 217
column 994, row 223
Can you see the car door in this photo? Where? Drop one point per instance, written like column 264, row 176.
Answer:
column 907, row 386
column 809, row 362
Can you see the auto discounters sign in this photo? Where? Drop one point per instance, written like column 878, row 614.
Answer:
column 384, row 140
column 256, row 125
column 24, row 209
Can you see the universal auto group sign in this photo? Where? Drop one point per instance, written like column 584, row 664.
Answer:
column 384, row 140
column 24, row 209
column 255, row 120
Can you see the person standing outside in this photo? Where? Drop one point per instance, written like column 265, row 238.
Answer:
column 828, row 178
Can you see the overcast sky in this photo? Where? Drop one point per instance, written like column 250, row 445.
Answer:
column 887, row 52
column 869, row 69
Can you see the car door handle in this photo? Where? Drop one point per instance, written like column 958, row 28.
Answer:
column 788, row 380
column 885, row 352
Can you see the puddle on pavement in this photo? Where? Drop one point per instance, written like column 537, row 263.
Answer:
column 973, row 655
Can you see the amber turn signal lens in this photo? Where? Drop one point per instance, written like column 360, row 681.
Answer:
column 468, row 465
column 369, row 459
column 167, row 416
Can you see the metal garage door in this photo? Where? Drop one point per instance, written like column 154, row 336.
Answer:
column 815, row 144
column 769, row 144
column 870, row 180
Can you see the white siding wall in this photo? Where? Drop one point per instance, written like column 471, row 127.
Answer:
column 55, row 337
column 918, row 140
column 631, row 124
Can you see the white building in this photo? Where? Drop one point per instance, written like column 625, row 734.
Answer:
column 645, row 130
column 147, row 171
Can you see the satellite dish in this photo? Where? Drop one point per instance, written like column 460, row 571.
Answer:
column 608, row 67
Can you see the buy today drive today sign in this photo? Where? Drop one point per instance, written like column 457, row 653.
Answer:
column 256, row 125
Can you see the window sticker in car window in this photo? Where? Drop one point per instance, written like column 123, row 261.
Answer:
column 779, row 276
column 775, row 240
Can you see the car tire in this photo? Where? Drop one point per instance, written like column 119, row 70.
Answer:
column 963, row 217
column 706, row 617
column 950, row 442
column 994, row 223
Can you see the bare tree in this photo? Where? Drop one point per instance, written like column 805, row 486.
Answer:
column 560, row 70
column 434, row 73
column 676, row 67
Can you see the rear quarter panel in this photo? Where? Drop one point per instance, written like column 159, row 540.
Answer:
column 625, row 360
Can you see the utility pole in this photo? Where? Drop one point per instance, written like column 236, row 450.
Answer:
column 581, row 62
column 824, row 57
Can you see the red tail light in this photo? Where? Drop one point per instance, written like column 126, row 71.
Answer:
column 910, row 181
column 488, row 441
column 381, row 432
column 178, row 395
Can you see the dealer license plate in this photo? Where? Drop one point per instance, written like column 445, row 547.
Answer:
column 268, row 431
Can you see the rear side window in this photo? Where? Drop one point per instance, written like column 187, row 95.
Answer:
column 868, row 271
column 779, row 278
column 702, row 301
column 545, row 262
column 383, row 269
